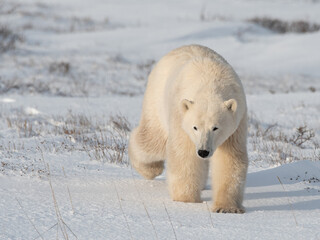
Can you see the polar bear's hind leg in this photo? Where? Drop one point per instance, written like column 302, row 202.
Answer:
column 147, row 151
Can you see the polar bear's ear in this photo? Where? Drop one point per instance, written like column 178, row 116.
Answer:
column 231, row 104
column 185, row 105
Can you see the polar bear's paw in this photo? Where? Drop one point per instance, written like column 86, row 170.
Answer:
column 223, row 209
column 150, row 170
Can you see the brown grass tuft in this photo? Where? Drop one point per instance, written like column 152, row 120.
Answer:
column 8, row 39
column 280, row 26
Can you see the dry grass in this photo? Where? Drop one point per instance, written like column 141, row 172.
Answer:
column 54, row 21
column 273, row 145
column 8, row 39
column 104, row 140
column 110, row 145
column 42, row 75
column 280, row 26
column 20, row 86
column 60, row 67
column 120, row 122
column 63, row 24
column 68, row 77
column 23, row 164
column 144, row 70
column 302, row 135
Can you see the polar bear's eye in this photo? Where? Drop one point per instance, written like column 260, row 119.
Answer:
column 195, row 128
column 214, row 129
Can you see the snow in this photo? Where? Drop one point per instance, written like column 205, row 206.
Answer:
column 271, row 210
column 83, row 65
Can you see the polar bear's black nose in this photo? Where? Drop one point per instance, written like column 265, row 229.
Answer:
column 203, row 153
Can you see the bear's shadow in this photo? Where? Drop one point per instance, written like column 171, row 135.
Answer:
column 282, row 200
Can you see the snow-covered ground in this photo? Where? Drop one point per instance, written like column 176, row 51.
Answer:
column 72, row 88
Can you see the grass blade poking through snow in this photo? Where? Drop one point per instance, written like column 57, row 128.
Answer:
column 64, row 173
column 57, row 210
column 175, row 236
column 145, row 208
column 124, row 215
column 60, row 222
column 288, row 201
column 47, row 230
column 34, row 226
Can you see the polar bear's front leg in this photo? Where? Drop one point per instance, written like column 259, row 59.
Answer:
column 184, row 173
column 229, row 171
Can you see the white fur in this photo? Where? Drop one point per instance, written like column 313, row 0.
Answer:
column 190, row 87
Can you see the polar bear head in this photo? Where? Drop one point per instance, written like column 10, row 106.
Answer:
column 209, row 123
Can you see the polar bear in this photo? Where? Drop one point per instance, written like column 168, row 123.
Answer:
column 194, row 112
